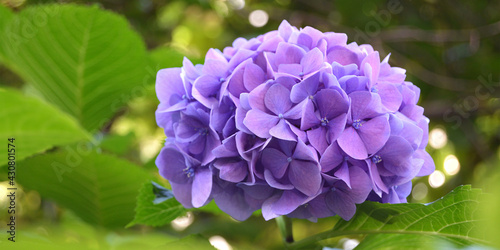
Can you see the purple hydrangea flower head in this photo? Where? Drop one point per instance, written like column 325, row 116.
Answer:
column 293, row 122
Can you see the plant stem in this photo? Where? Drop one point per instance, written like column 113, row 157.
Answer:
column 285, row 226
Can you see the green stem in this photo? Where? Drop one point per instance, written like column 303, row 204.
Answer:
column 285, row 226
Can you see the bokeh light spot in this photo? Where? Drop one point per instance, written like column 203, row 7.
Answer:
column 219, row 242
column 436, row 179
column 237, row 4
column 3, row 192
column 181, row 223
column 438, row 138
column 258, row 18
column 350, row 244
column 451, row 165
column 419, row 191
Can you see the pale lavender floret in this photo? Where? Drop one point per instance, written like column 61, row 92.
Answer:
column 294, row 122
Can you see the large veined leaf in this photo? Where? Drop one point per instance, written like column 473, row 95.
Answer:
column 452, row 218
column 85, row 60
column 151, row 214
column 34, row 125
column 101, row 189
column 409, row 242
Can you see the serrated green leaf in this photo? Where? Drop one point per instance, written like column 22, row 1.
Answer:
column 408, row 242
column 84, row 60
column 36, row 126
column 452, row 218
column 161, row 194
column 100, row 189
column 148, row 213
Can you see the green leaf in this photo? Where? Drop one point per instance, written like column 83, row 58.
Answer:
column 212, row 208
column 100, row 189
column 161, row 194
column 118, row 144
column 409, row 242
column 452, row 218
column 72, row 233
column 84, row 60
column 491, row 205
column 151, row 214
column 36, row 126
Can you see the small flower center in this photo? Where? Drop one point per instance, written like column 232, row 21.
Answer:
column 357, row 124
column 324, row 121
column 289, row 159
column 222, row 79
column 333, row 189
column 202, row 131
column 376, row 159
column 374, row 90
column 280, row 116
column 311, row 97
column 184, row 97
column 189, row 172
column 301, row 74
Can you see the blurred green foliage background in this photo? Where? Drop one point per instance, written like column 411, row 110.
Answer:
column 450, row 49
